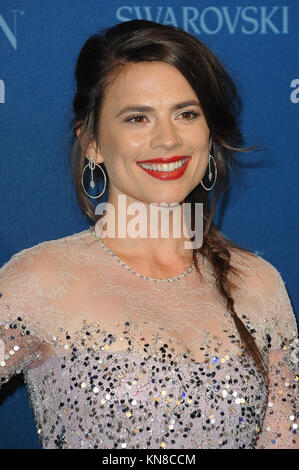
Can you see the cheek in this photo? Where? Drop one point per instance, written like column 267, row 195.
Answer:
column 201, row 137
column 116, row 156
column 124, row 143
column 133, row 140
column 201, row 146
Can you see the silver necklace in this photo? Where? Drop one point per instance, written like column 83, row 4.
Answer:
column 142, row 276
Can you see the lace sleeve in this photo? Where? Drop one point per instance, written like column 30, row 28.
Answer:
column 23, row 289
column 279, row 430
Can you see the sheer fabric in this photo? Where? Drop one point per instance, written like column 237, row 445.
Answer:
column 112, row 360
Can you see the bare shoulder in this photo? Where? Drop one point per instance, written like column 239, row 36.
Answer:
column 43, row 258
column 256, row 271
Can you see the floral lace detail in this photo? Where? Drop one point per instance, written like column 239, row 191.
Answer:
column 114, row 361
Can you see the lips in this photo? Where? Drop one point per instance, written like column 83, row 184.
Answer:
column 167, row 175
column 165, row 159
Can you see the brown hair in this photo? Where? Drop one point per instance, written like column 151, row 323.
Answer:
column 101, row 59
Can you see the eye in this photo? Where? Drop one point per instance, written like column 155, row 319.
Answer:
column 190, row 115
column 136, row 116
column 139, row 118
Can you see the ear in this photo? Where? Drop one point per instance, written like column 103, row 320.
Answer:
column 92, row 151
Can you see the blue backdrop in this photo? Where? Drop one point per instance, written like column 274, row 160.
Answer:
column 39, row 44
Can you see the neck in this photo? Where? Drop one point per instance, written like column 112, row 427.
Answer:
column 145, row 230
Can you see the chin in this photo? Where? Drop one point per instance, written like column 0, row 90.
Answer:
column 169, row 199
column 166, row 202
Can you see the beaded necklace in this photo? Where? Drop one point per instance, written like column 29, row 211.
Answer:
column 142, row 276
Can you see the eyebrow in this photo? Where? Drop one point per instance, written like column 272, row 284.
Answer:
column 146, row 109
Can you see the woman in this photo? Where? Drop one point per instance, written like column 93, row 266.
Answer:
column 145, row 342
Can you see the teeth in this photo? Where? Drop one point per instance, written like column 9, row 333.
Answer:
column 164, row 166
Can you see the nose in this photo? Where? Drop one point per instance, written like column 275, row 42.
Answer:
column 165, row 135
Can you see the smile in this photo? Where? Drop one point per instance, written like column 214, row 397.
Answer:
column 166, row 171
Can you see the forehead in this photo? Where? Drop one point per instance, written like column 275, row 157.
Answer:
column 148, row 80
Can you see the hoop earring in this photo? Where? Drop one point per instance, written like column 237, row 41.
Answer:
column 91, row 164
column 210, row 173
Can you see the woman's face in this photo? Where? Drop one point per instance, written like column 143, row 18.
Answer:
column 130, row 136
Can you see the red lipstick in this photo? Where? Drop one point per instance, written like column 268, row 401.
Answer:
column 166, row 175
column 165, row 159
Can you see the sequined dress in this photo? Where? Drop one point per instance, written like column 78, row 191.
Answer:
column 112, row 359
